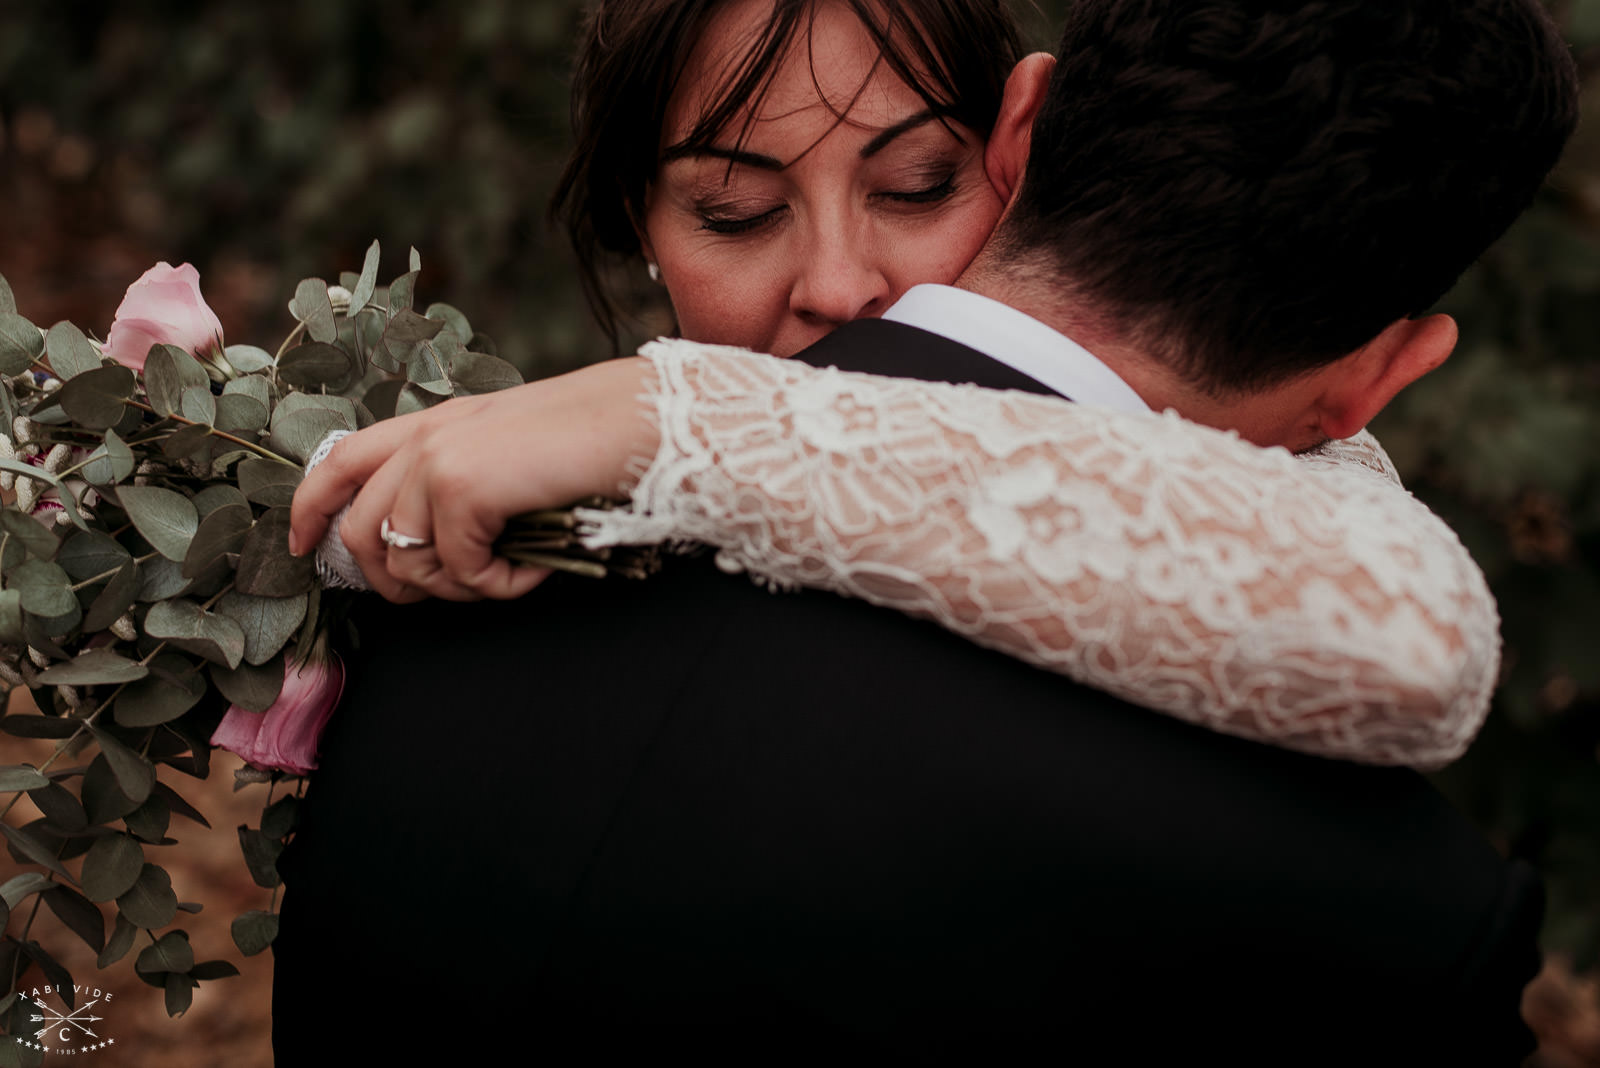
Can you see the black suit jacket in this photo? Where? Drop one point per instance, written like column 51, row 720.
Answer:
column 692, row 814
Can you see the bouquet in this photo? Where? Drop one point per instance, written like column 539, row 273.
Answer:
column 148, row 599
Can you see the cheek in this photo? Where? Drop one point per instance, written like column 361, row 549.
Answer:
column 725, row 296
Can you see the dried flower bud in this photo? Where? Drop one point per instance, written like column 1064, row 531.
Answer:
column 9, row 674
column 69, row 694
column 38, row 658
column 22, row 429
column 58, row 460
column 124, row 628
column 339, row 297
column 27, row 494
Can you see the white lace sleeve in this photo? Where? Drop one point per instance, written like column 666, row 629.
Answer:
column 1306, row 602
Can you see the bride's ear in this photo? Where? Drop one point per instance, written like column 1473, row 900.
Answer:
column 1376, row 372
column 1006, row 155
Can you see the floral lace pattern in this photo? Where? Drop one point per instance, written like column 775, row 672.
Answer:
column 1308, row 602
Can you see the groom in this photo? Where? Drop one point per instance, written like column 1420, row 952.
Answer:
column 773, row 827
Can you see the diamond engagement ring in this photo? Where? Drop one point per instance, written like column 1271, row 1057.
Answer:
column 396, row 540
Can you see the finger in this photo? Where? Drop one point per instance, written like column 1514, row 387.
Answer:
column 329, row 486
column 360, row 526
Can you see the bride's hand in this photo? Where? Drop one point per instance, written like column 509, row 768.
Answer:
column 451, row 476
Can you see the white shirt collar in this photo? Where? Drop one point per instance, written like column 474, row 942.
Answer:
column 1019, row 341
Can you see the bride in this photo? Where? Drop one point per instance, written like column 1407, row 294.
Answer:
column 1307, row 602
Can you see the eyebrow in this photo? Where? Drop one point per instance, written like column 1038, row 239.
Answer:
column 882, row 139
column 879, row 141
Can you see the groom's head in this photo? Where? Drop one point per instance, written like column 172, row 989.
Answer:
column 1247, row 191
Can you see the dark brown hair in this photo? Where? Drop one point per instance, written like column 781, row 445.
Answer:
column 956, row 54
column 1255, row 188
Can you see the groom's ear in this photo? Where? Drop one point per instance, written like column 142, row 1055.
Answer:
column 1380, row 369
column 1006, row 156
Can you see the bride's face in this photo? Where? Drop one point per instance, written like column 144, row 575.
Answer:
column 797, row 221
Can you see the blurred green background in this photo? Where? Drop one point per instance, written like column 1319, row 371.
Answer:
column 269, row 142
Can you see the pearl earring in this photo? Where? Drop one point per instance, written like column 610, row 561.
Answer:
column 653, row 270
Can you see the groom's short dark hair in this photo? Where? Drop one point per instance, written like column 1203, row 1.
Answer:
column 1254, row 188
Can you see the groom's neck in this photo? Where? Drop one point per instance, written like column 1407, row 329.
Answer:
column 1276, row 416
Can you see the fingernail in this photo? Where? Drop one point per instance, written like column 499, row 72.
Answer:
column 294, row 544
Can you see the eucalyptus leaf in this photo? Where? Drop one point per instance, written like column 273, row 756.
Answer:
column 261, row 856
column 149, row 902
column 311, row 306
column 169, row 953
column 192, row 442
column 11, row 629
column 185, row 625
column 254, row 931
column 268, row 622
column 173, row 686
column 301, row 402
column 62, row 811
column 220, row 532
column 38, row 539
column 97, row 398
column 110, row 463
column 455, row 322
column 381, row 398
column 89, row 554
column 474, row 372
column 213, row 969
column 215, row 496
column 115, row 598
column 8, row 302
column 240, row 414
column 402, row 292
column 112, row 866
column 94, row 667
column 267, row 482
column 197, row 405
column 37, row 726
column 18, row 777
column 80, row 915
column 20, row 344
column 160, row 579
column 150, row 820
column 25, row 842
column 103, row 799
column 167, row 520
column 167, row 373
column 266, row 567
column 247, row 359
column 17, row 889
column 176, row 803
column 367, row 284
column 414, row 398
column 179, row 993
column 298, row 434
column 134, row 774
column 45, row 588
column 255, row 387
column 279, row 818
column 251, row 687
column 53, row 970
column 406, row 333
column 70, row 353
column 318, row 365
column 117, row 946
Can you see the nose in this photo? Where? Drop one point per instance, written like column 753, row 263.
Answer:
column 840, row 277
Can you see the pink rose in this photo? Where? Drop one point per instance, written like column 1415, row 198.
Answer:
column 163, row 308
column 284, row 737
